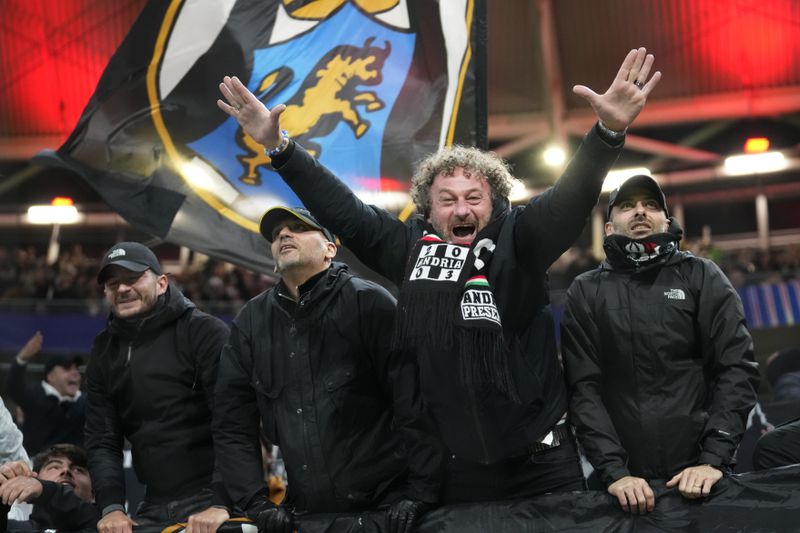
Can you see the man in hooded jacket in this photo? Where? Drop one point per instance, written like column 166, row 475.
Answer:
column 150, row 380
column 658, row 358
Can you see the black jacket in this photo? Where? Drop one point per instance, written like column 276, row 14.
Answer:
column 486, row 426
column 58, row 508
column 660, row 367
column 47, row 420
column 320, row 375
column 151, row 380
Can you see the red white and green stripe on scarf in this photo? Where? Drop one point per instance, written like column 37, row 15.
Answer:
column 446, row 304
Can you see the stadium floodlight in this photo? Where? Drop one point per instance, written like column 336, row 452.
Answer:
column 60, row 211
column 554, row 156
column 763, row 163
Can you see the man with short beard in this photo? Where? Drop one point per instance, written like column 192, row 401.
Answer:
column 472, row 276
column 150, row 379
column 59, row 489
column 658, row 358
column 311, row 358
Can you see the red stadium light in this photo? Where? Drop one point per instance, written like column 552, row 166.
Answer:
column 756, row 145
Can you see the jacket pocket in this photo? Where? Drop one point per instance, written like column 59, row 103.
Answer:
column 339, row 383
column 266, row 401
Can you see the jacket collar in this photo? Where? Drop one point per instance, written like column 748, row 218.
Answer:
column 49, row 390
column 168, row 308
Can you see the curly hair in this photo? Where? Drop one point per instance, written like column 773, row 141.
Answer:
column 486, row 164
column 75, row 454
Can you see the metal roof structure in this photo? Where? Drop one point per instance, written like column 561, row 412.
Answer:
column 730, row 71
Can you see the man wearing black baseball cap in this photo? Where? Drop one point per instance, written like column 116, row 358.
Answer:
column 658, row 359
column 150, row 379
column 312, row 358
column 54, row 408
column 640, row 183
column 272, row 220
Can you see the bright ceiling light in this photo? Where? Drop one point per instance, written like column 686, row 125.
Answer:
column 53, row 214
column 554, row 156
column 740, row 165
column 615, row 178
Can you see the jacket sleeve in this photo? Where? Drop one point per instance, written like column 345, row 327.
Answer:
column 15, row 385
column 552, row 221
column 207, row 335
column 595, row 430
column 728, row 348
column 103, row 436
column 11, row 448
column 235, row 423
column 400, row 378
column 375, row 236
column 60, row 508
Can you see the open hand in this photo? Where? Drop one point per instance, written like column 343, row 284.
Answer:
column 263, row 125
column 624, row 99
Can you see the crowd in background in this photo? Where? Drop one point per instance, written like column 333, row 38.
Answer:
column 70, row 281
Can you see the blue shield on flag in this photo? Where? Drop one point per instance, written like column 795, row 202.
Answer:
column 339, row 88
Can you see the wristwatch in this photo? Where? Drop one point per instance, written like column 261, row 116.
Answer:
column 609, row 134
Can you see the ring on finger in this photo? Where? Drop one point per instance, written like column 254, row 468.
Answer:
column 639, row 84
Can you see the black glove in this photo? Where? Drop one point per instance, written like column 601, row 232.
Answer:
column 269, row 518
column 403, row 513
column 276, row 520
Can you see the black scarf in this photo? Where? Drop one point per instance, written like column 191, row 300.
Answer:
column 637, row 254
column 446, row 303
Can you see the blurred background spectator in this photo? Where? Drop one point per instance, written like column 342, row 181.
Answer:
column 53, row 410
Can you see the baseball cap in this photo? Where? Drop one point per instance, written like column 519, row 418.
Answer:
column 62, row 360
column 131, row 256
column 640, row 181
column 276, row 215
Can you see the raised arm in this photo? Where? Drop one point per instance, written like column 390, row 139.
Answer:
column 373, row 234
column 553, row 220
column 15, row 383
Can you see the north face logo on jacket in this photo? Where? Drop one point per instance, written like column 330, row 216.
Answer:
column 675, row 294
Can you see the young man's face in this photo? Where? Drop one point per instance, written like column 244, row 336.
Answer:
column 461, row 206
column 296, row 245
column 59, row 469
column 66, row 380
column 132, row 294
column 636, row 216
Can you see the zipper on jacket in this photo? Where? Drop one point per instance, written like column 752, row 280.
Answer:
column 135, row 336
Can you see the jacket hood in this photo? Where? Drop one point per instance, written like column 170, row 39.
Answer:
column 168, row 308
